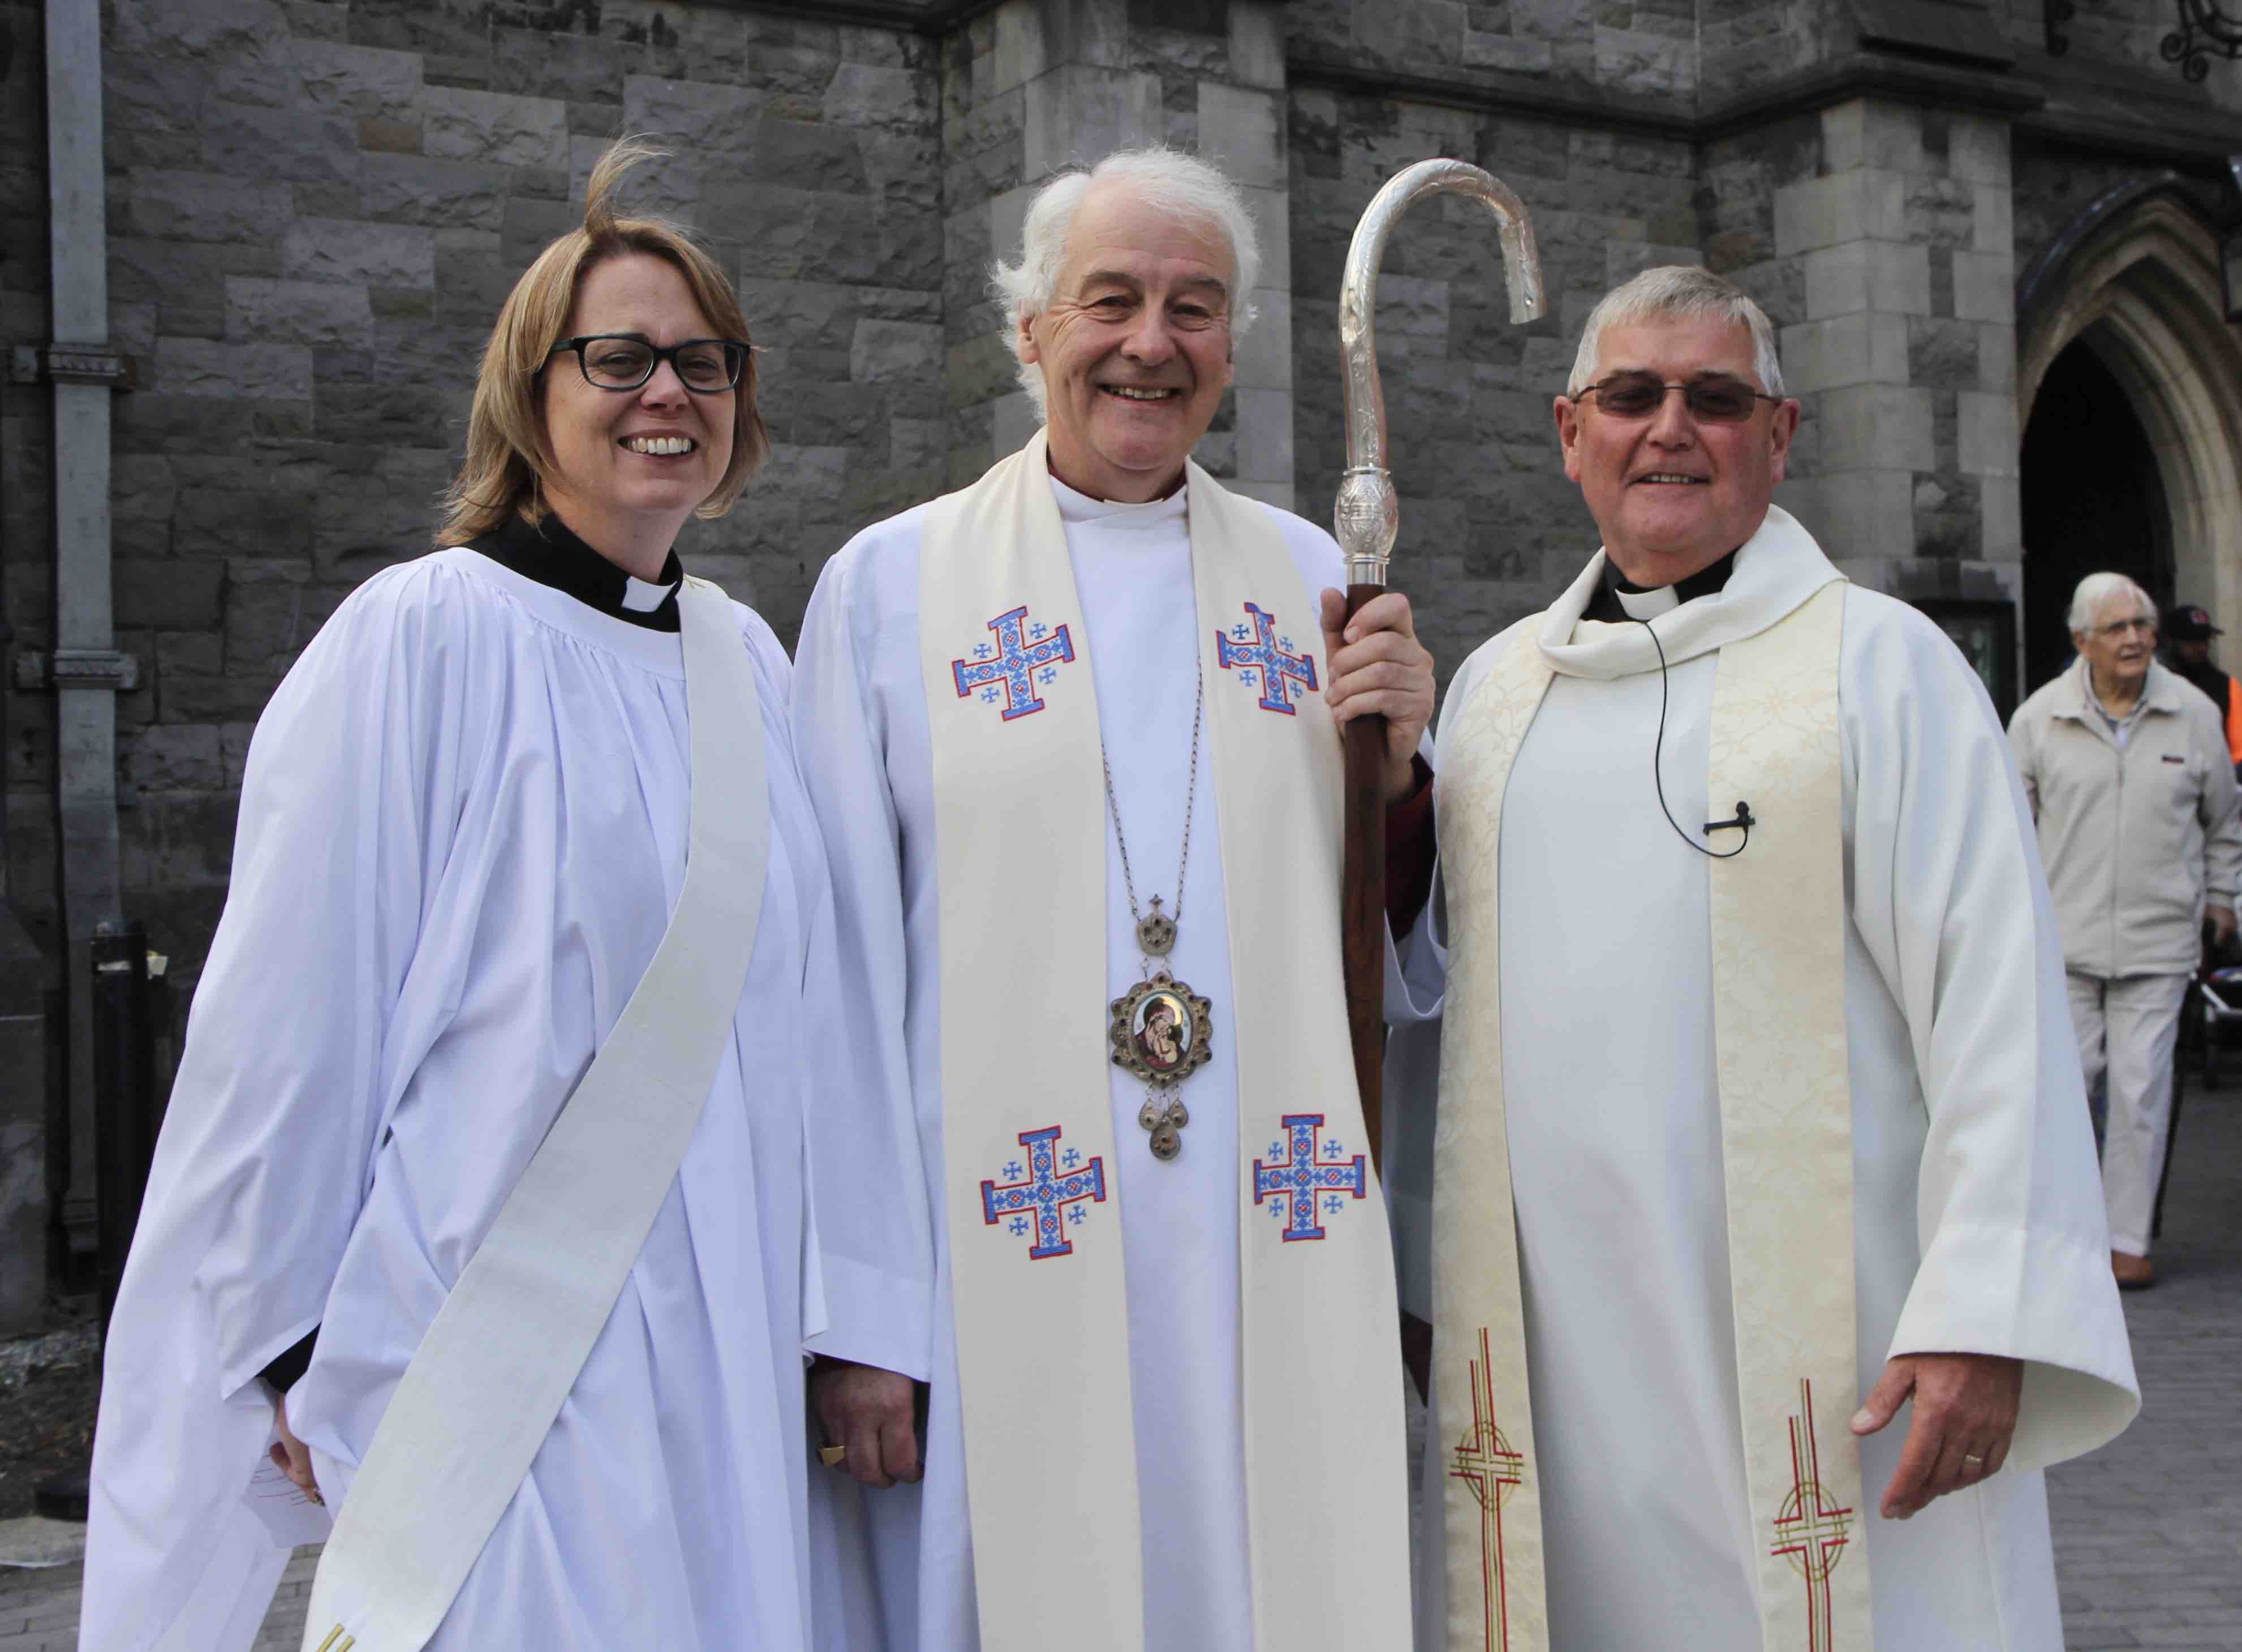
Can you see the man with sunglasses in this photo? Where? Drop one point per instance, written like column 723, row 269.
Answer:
column 2126, row 767
column 1757, row 1111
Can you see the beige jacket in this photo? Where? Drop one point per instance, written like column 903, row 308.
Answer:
column 2134, row 841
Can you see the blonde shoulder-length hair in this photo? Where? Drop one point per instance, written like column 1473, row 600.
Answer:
column 508, row 459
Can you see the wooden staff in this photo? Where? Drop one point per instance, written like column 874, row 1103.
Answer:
column 1367, row 517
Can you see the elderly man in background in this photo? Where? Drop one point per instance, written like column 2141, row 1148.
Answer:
column 1093, row 918
column 2131, row 782
column 1757, row 1115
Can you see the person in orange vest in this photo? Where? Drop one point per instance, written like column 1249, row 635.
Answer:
column 2189, row 631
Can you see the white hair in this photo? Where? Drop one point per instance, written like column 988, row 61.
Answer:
column 2096, row 590
column 1182, row 185
column 1678, row 290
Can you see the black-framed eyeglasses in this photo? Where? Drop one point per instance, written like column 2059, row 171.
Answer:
column 1715, row 400
column 625, row 361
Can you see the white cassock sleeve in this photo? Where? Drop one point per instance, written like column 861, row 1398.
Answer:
column 1947, row 894
column 267, row 1147
column 876, row 1232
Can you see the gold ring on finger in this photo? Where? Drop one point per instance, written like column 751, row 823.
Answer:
column 1974, row 1463
column 831, row 1456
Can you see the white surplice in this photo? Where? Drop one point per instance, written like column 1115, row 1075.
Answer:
column 861, row 721
column 1978, row 1222
column 463, row 828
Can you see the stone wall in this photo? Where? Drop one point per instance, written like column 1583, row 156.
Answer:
column 315, row 208
column 1638, row 48
column 315, row 211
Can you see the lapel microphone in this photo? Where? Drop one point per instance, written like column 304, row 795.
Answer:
column 1741, row 821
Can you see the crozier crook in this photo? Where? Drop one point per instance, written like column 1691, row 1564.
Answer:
column 1366, row 519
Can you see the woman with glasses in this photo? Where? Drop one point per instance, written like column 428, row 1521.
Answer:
column 464, row 834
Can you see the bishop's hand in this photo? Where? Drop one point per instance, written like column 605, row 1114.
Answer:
column 1378, row 666
column 1965, row 1416
column 294, row 1457
column 868, row 1412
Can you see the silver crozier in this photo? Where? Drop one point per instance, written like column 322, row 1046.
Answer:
column 1366, row 518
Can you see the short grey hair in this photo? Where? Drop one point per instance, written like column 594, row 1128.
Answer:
column 1678, row 290
column 2097, row 589
column 1180, row 184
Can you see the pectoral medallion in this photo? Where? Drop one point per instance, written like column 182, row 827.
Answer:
column 1160, row 1030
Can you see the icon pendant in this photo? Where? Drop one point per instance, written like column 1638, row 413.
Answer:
column 1160, row 1031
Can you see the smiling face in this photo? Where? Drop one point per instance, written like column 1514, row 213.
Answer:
column 630, row 466
column 1134, row 345
column 2118, row 646
column 1671, row 494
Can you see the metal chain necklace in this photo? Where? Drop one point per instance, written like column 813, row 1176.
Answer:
column 1159, row 1030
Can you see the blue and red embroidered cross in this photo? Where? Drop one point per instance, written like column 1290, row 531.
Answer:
column 1306, row 1174
column 1019, row 664
column 1037, row 1200
column 1248, row 649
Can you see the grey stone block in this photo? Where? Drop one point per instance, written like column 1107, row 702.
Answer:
column 1243, row 131
column 446, row 194
column 351, row 250
column 455, row 30
column 367, row 519
column 228, row 502
column 185, row 698
column 1642, row 63
column 1940, row 212
column 697, row 117
column 1864, row 132
column 538, row 63
column 169, row 593
column 1943, row 354
column 804, row 156
column 1984, row 286
column 155, row 98
column 150, row 422
column 177, row 756
column 362, row 82
column 530, row 227
column 1824, row 211
column 887, row 350
column 387, row 415
column 209, row 31
column 310, row 312
column 193, row 653
column 459, row 124
column 207, row 367
column 196, row 206
column 239, row 141
column 871, row 95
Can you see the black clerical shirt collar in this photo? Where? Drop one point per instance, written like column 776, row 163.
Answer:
column 1605, row 604
column 550, row 554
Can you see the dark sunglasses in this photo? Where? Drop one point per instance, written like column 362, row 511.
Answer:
column 1712, row 401
column 624, row 361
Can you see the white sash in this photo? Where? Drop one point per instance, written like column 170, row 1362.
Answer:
column 1033, row 1201
column 1778, row 925
column 480, row 1396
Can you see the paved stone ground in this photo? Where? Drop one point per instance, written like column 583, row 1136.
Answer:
column 2148, row 1531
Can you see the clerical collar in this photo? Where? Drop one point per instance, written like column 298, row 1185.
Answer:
column 551, row 554
column 1076, row 507
column 1619, row 598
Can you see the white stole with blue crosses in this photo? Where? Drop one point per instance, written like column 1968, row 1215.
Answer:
column 1027, row 1123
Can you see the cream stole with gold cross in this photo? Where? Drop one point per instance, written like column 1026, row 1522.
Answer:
column 1778, row 923
column 1029, row 1181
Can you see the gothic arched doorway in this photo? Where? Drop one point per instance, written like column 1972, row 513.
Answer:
column 2129, row 391
column 2092, row 500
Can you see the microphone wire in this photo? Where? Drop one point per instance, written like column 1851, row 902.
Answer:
column 1743, row 817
